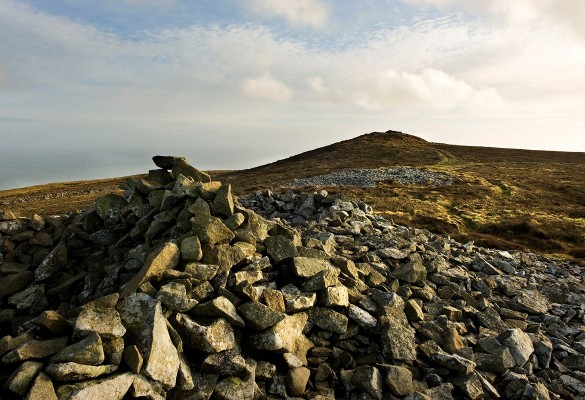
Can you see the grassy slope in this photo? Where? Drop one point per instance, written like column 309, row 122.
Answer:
column 507, row 198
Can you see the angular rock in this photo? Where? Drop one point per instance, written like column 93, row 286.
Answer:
column 321, row 280
column 42, row 388
column 413, row 271
column 87, row 351
column 144, row 319
column 280, row 248
column 191, row 249
column 160, row 260
column 22, row 378
column 181, row 167
column 219, row 307
column 234, row 388
column 35, row 350
column 369, row 380
column 296, row 380
column 399, row 380
column 52, row 322
column 56, row 260
column 259, row 316
column 71, row 371
column 174, row 296
column 530, row 301
column 32, row 299
column 213, row 338
column 212, row 230
column 306, row 267
column 328, row 320
column 14, row 283
column 282, row 337
column 519, row 343
column 105, row 322
column 336, row 296
column 361, row 317
column 114, row 387
column 223, row 201
column 228, row 362
column 398, row 342
column 295, row 300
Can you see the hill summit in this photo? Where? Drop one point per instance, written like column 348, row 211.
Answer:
column 177, row 289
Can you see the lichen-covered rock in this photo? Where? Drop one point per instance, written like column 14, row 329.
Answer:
column 215, row 337
column 144, row 319
column 103, row 321
column 159, row 261
column 89, row 351
column 22, row 378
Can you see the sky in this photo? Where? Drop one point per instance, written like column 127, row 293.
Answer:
column 93, row 89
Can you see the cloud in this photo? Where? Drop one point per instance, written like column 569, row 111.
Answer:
column 2, row 76
column 265, row 86
column 567, row 15
column 431, row 88
column 311, row 13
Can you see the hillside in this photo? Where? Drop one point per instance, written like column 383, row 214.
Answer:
column 503, row 198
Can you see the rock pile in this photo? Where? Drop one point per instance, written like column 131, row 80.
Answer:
column 174, row 289
column 363, row 177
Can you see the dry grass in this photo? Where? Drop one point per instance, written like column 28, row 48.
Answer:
column 511, row 199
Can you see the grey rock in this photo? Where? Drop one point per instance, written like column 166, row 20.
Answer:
column 413, row 271
column 280, row 248
column 398, row 341
column 259, row 316
column 71, row 371
column 174, row 296
column 105, row 322
column 160, row 260
column 35, row 350
column 215, row 337
column 114, row 387
column 191, row 249
column 328, row 320
column 361, row 317
column 87, row 351
column 32, row 299
column 530, row 301
column 306, row 267
column 369, row 380
column 219, row 307
column 296, row 380
column 519, row 343
column 223, row 201
column 22, row 378
column 399, row 380
column 143, row 317
column 42, row 388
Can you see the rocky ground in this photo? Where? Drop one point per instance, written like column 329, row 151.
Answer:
column 177, row 290
column 364, row 177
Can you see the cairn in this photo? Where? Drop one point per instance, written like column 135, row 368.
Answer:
column 176, row 289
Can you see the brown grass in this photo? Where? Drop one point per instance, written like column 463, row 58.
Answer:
column 507, row 198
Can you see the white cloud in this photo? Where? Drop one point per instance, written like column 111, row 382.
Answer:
column 431, row 88
column 567, row 15
column 449, row 68
column 265, row 86
column 312, row 13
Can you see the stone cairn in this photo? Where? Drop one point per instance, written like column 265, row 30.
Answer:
column 174, row 289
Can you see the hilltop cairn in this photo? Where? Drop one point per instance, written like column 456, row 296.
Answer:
column 175, row 289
